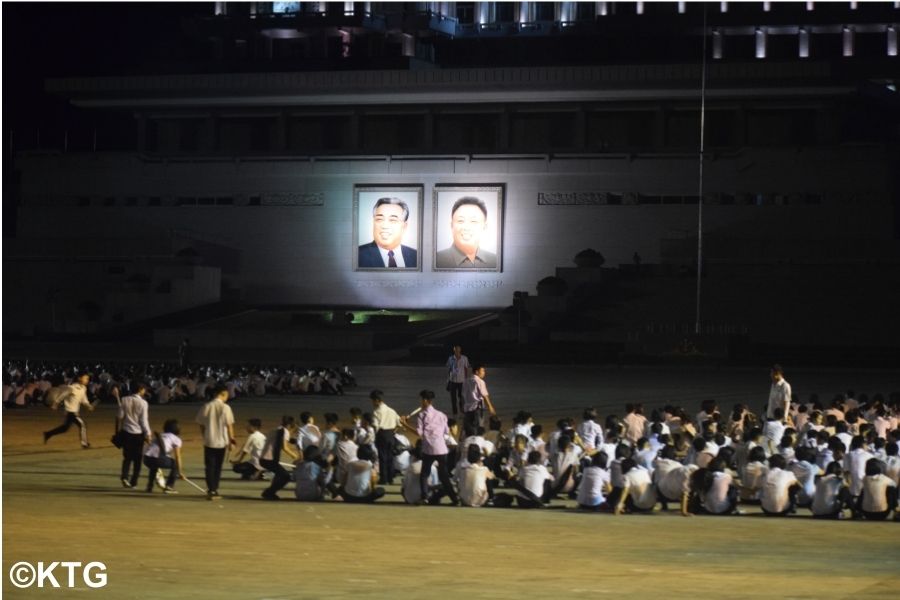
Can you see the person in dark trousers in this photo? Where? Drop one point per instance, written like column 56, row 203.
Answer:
column 279, row 442
column 165, row 453
column 217, row 427
column 73, row 398
column 133, row 425
column 385, row 421
column 432, row 429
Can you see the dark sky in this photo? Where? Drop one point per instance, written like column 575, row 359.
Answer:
column 43, row 40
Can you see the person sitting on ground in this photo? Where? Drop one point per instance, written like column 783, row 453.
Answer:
column 247, row 461
column 831, row 496
column 753, row 476
column 854, row 464
column 590, row 433
column 165, row 453
column 474, row 480
column 806, row 470
column 533, row 482
column 779, row 492
column 309, row 433
column 347, row 452
column 773, row 431
column 638, row 493
column 718, row 495
column 565, row 466
column 673, row 480
column 879, row 493
column 362, row 479
column 312, row 476
column 594, row 486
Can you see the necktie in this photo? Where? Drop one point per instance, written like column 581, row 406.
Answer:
column 391, row 261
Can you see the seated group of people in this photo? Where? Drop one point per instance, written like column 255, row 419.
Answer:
column 25, row 384
column 821, row 461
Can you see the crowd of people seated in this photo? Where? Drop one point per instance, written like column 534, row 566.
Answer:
column 27, row 383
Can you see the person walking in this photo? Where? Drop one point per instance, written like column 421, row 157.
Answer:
column 217, row 427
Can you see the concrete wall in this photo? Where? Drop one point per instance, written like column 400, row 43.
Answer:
column 302, row 251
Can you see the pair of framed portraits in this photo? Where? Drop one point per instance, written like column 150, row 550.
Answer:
column 388, row 221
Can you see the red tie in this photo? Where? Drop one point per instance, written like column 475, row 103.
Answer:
column 391, row 261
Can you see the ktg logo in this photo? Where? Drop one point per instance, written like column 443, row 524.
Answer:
column 25, row 575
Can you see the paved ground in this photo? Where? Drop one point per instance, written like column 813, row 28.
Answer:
column 64, row 504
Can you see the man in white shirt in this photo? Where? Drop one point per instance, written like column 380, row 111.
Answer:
column 879, row 492
column 385, row 421
column 595, row 484
column 533, row 483
column 672, row 480
column 473, row 479
column 132, row 421
column 779, row 394
column 247, row 462
column 590, row 433
column 72, row 399
column 780, row 489
column 638, row 493
column 216, row 423
column 831, row 494
column 855, row 464
column 458, row 372
column 475, row 400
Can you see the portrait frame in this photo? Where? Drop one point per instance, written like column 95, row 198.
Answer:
column 490, row 254
column 364, row 198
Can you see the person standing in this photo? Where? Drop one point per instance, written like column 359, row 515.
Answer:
column 458, row 373
column 73, row 398
column 217, row 427
column 184, row 354
column 132, row 420
column 385, row 421
column 475, row 399
column 779, row 394
column 431, row 426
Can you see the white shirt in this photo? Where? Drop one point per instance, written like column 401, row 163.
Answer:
column 855, row 469
column 892, row 468
column 826, row 500
column 398, row 256
column 716, row 498
column 753, row 477
column 875, row 493
column 215, row 416
column 73, row 398
column 673, row 481
column 253, row 448
column 806, row 474
column 773, row 431
column 640, row 488
column 591, row 435
column 359, row 478
column 472, row 481
column 133, row 415
column 562, row 461
column 593, row 482
column 308, row 435
column 170, row 441
column 779, row 397
column 385, row 417
column 487, row 448
column 532, row 478
column 774, row 496
column 412, row 490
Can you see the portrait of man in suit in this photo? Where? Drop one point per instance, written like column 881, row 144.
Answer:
column 472, row 231
column 393, row 228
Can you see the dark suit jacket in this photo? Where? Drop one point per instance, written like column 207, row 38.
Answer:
column 370, row 257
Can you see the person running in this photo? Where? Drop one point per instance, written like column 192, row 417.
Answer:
column 73, row 398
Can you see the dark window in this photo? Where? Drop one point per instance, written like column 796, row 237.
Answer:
column 245, row 135
column 313, row 134
column 154, row 201
column 470, row 133
column 465, row 12
column 544, row 11
column 505, row 11
column 620, row 129
column 584, row 11
column 541, row 132
column 254, row 201
column 392, row 133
